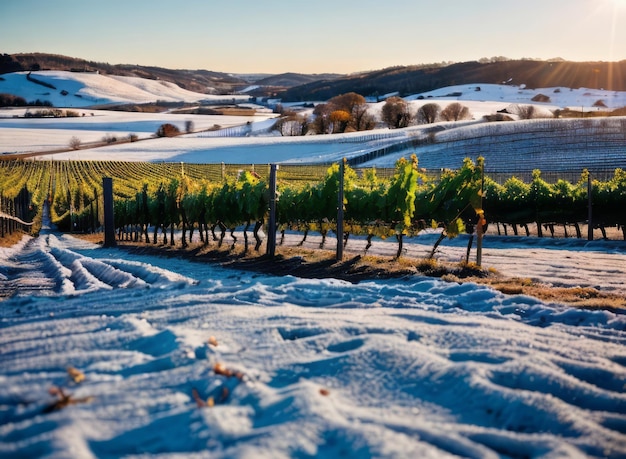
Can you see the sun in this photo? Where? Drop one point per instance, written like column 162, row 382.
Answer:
column 619, row 3
column 615, row 4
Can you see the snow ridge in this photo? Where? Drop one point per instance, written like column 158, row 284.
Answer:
column 45, row 267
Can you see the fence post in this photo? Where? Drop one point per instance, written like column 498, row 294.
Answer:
column 109, row 222
column 340, row 194
column 271, row 225
column 589, row 208
column 481, row 217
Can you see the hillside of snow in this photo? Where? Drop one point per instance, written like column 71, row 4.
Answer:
column 548, row 144
column 20, row 135
column 559, row 97
column 74, row 89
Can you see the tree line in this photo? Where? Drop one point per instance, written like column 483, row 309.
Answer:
column 350, row 113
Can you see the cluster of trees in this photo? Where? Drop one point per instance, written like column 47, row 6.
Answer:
column 396, row 113
column 9, row 100
column 171, row 130
column 52, row 113
column 168, row 130
column 349, row 113
column 344, row 113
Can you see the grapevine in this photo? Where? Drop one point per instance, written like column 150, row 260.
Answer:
column 176, row 198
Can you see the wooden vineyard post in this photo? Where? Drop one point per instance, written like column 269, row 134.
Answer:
column 479, row 229
column 271, row 225
column 109, row 222
column 589, row 208
column 340, row 195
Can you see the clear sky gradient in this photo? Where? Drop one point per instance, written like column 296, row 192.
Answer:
column 340, row 36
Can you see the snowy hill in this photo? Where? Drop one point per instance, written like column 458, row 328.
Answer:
column 73, row 89
column 418, row 79
column 556, row 97
column 548, row 144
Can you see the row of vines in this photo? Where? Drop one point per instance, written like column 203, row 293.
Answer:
column 156, row 202
column 373, row 206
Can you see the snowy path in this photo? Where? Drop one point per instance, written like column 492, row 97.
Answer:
column 44, row 266
column 49, row 265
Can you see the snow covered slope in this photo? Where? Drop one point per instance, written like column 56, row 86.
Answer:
column 520, row 145
column 559, row 97
column 73, row 89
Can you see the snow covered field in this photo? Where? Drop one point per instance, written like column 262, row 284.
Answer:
column 20, row 135
column 246, row 144
column 184, row 359
column 76, row 89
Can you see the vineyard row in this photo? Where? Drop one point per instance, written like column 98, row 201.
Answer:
column 211, row 199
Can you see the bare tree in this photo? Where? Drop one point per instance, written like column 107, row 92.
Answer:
column 321, row 119
column 342, row 113
column 340, row 120
column 292, row 124
column 455, row 112
column 524, row 112
column 428, row 113
column 396, row 113
column 362, row 119
column 75, row 143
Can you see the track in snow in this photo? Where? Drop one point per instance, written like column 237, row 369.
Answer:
column 48, row 266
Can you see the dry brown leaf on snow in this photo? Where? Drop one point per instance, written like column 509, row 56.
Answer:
column 220, row 369
column 63, row 400
column 210, row 402
column 76, row 375
column 196, row 396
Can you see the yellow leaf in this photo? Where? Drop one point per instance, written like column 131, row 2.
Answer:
column 76, row 375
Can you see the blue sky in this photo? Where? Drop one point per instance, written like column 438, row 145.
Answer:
column 342, row 36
